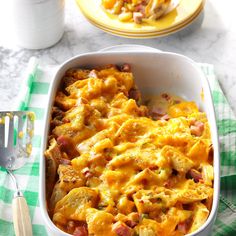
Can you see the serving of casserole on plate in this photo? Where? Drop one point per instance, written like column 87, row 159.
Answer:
column 120, row 162
column 136, row 11
column 141, row 19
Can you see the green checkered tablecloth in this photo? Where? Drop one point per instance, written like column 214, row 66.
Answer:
column 28, row 176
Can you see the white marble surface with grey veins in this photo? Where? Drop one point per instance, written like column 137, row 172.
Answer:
column 212, row 42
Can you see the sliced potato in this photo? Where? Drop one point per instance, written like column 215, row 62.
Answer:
column 74, row 205
column 99, row 222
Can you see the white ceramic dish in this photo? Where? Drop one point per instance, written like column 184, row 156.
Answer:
column 154, row 72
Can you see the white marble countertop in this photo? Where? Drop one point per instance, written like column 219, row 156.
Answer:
column 214, row 42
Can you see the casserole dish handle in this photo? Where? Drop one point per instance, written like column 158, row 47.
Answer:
column 129, row 47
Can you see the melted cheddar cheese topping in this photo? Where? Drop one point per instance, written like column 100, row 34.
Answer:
column 115, row 167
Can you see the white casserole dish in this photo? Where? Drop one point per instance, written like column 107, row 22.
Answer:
column 154, row 72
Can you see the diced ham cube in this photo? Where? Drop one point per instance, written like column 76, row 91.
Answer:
column 121, row 229
column 65, row 120
column 137, row 16
column 197, row 176
column 86, row 172
column 56, row 111
column 134, row 94
column 125, row 68
column 157, row 111
column 200, row 125
column 93, row 74
column 65, row 161
column 165, row 117
column 66, row 145
column 197, row 128
column 140, row 8
column 63, row 141
column 80, row 231
column 168, row 183
column 177, row 101
column 182, row 227
column 166, row 96
column 158, row 114
column 131, row 223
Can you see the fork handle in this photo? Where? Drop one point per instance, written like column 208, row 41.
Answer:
column 21, row 216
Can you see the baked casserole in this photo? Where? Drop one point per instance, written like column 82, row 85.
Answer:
column 117, row 167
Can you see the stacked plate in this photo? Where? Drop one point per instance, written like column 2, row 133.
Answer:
column 181, row 14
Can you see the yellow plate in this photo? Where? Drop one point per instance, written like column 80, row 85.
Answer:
column 93, row 11
column 152, row 34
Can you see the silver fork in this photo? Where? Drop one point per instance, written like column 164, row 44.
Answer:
column 16, row 132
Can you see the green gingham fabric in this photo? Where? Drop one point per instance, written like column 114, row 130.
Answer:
column 28, row 176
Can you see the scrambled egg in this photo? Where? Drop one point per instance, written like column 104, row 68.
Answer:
column 116, row 167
